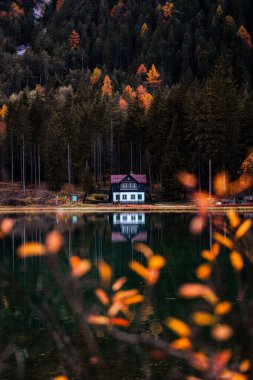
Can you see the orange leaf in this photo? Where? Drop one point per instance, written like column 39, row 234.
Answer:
column 211, row 255
column 54, row 242
column 223, row 240
column 204, row 272
column 244, row 227
column 187, row 179
column 144, row 249
column 199, row 361
column 181, row 344
column 202, row 318
column 221, row 332
column 198, row 290
column 229, row 375
column 153, row 276
column 105, row 272
column 119, row 322
column 61, row 378
column 79, row 266
column 139, row 269
column 156, row 262
column 31, row 249
column 119, row 296
column 7, row 225
column 236, row 261
column 119, row 283
column 223, row 308
column 115, row 308
column 102, row 296
column 197, row 224
column 220, row 184
column 219, row 362
column 179, row 327
column 234, row 219
column 245, row 366
column 98, row 320
column 138, row 298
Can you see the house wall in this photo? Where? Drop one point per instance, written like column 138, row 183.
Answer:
column 126, row 197
column 128, row 218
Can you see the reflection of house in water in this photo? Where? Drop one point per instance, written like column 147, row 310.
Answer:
column 128, row 226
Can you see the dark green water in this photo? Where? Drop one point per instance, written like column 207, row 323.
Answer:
column 107, row 236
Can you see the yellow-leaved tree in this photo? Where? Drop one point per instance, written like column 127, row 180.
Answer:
column 95, row 76
column 153, row 75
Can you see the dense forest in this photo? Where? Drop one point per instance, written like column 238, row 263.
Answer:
column 90, row 88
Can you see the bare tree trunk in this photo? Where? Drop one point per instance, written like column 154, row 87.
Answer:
column 94, row 160
column 69, row 164
column 39, row 165
column 35, row 168
column 111, row 143
column 12, row 164
column 23, row 163
column 31, row 167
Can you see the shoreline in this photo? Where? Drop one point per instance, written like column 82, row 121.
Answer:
column 159, row 208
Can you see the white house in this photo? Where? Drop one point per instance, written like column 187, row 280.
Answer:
column 128, row 188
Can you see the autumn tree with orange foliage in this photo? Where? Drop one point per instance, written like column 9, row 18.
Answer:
column 74, row 39
column 59, row 4
column 107, row 87
column 142, row 69
column 153, row 76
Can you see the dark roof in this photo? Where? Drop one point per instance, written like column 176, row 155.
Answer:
column 140, row 178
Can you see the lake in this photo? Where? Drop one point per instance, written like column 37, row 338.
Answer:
column 111, row 236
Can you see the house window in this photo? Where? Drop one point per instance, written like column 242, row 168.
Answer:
column 140, row 217
column 133, row 196
column 128, row 186
column 117, row 197
column 124, row 196
column 124, row 218
column 133, row 217
column 140, row 197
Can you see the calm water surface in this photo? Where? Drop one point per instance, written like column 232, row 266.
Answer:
column 107, row 236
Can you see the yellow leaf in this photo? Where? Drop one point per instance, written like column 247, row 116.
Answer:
column 119, row 296
column 156, row 262
column 204, row 272
column 138, row 298
column 244, row 227
column 221, row 332
column 202, row 318
column 245, row 366
column 139, row 269
column 234, row 219
column 79, row 266
column 224, row 240
column 181, row 344
column 236, row 261
column 105, row 272
column 31, row 249
column 179, row 327
column 223, row 308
